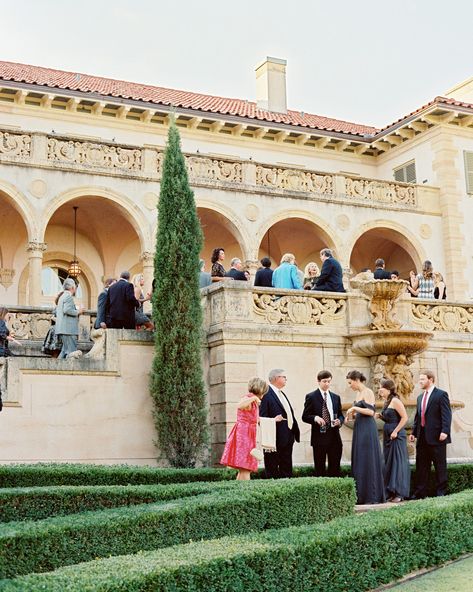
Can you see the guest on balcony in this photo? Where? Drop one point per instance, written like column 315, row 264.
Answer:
column 67, row 320
column 218, row 270
column 380, row 272
column 286, row 276
column 264, row 275
column 331, row 274
column 236, row 270
column 311, row 273
column 5, row 335
column 205, row 279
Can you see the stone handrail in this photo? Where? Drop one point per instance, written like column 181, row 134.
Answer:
column 443, row 316
column 106, row 158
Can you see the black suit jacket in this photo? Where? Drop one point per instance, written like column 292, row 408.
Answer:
column 271, row 406
column 331, row 277
column 264, row 277
column 381, row 274
column 313, row 406
column 438, row 418
column 236, row 275
column 121, row 304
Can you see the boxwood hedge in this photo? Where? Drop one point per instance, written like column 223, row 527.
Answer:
column 348, row 554
column 27, row 547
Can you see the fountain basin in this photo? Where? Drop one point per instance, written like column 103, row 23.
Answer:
column 389, row 342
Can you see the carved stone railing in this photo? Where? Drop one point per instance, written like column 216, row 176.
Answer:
column 88, row 154
column 145, row 162
column 453, row 318
column 300, row 308
column 15, row 145
column 294, row 180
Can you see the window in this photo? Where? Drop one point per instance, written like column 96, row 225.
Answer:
column 52, row 279
column 468, row 171
column 406, row 173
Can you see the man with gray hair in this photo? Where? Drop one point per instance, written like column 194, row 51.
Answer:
column 67, row 320
column 205, row 279
column 331, row 274
column 276, row 404
column 121, row 304
column 236, row 270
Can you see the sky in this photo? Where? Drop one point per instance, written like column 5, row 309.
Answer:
column 358, row 60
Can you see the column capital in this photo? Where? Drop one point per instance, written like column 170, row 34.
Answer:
column 147, row 258
column 36, row 247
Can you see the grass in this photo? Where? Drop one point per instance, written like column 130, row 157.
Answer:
column 454, row 577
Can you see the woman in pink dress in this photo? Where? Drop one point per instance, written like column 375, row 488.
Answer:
column 242, row 438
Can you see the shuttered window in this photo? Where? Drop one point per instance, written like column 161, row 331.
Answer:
column 406, row 173
column 468, row 171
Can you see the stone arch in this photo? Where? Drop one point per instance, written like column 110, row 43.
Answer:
column 20, row 203
column 298, row 232
column 389, row 240
column 127, row 206
column 232, row 235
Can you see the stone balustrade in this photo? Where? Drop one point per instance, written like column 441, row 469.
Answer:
column 443, row 316
column 105, row 158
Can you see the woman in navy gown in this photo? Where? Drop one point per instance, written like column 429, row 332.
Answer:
column 366, row 458
column 397, row 473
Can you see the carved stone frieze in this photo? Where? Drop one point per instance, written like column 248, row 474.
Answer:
column 213, row 170
column 397, row 368
column 441, row 317
column 29, row 325
column 12, row 144
column 36, row 248
column 299, row 309
column 384, row 192
column 95, row 155
column 6, row 277
column 294, row 180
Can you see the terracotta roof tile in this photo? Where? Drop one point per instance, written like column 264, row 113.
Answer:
column 10, row 71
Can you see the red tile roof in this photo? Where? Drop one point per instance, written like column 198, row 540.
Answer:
column 84, row 83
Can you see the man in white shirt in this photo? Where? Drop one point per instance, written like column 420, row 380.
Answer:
column 431, row 428
column 323, row 411
column 276, row 404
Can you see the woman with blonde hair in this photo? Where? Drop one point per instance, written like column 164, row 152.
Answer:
column 285, row 276
column 141, row 319
column 242, row 438
column 311, row 273
column 423, row 285
column 5, row 335
column 440, row 290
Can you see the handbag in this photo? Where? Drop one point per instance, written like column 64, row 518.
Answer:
column 257, row 453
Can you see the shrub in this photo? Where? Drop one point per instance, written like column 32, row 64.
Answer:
column 350, row 554
column 27, row 547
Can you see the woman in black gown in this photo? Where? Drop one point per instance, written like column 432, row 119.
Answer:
column 397, row 473
column 366, row 458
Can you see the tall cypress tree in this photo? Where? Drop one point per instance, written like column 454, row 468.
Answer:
column 176, row 380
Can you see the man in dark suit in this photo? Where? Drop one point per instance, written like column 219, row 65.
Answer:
column 100, row 322
column 431, row 428
column 121, row 304
column 323, row 411
column 235, row 270
column 264, row 275
column 331, row 274
column 276, row 404
column 380, row 273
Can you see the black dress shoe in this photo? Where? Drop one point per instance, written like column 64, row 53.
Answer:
column 414, row 497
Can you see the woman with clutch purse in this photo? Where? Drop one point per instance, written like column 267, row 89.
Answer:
column 242, row 439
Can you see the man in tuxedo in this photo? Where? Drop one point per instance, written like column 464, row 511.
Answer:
column 323, row 411
column 276, row 404
column 380, row 272
column 431, row 428
column 236, row 270
column 264, row 275
column 101, row 305
column 121, row 304
column 331, row 274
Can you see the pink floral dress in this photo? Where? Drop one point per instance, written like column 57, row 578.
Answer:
column 242, row 439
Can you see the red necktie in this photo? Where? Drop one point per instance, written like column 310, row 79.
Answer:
column 422, row 410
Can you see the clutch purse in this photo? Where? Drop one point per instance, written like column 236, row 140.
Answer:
column 257, row 453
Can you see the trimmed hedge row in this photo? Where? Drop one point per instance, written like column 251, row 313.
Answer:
column 27, row 547
column 41, row 475
column 38, row 503
column 355, row 553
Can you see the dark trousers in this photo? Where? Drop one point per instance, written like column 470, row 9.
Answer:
column 328, row 447
column 121, row 324
column 425, row 456
column 279, row 464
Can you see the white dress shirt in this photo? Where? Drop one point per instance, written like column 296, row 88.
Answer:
column 285, row 403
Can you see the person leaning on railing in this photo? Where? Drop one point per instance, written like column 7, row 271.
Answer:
column 5, row 335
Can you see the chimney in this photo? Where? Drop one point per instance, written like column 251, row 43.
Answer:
column 271, row 85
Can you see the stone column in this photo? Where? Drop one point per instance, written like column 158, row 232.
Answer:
column 252, row 267
column 447, row 176
column 35, row 257
column 147, row 259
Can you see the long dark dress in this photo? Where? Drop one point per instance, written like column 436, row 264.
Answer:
column 397, row 474
column 366, row 458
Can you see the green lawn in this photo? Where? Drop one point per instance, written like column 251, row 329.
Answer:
column 456, row 577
